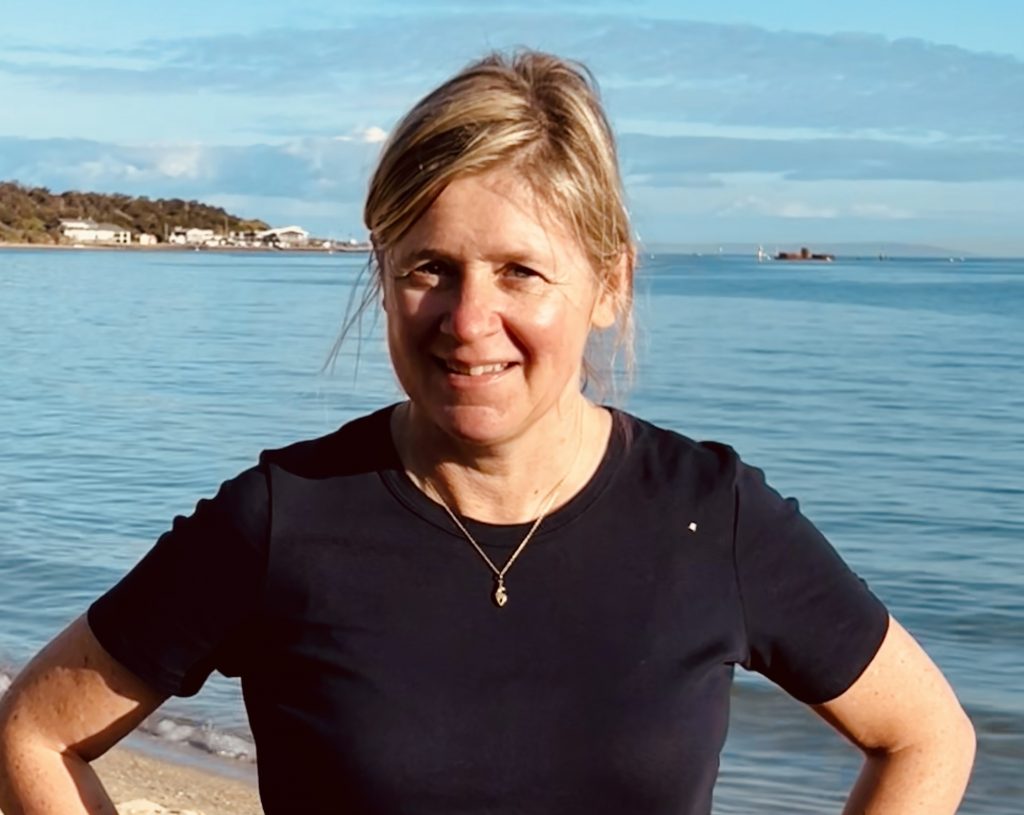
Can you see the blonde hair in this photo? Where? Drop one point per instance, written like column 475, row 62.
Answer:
column 539, row 115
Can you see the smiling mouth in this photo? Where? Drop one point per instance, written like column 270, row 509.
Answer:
column 453, row 367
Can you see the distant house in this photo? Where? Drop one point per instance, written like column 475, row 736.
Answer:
column 88, row 231
column 244, row 238
column 284, row 236
column 67, row 225
column 146, row 239
column 191, row 236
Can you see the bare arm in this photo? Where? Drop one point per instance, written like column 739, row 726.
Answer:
column 69, row 705
column 918, row 742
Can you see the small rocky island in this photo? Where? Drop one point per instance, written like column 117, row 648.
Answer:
column 804, row 254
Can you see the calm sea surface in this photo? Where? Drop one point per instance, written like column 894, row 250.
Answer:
column 887, row 396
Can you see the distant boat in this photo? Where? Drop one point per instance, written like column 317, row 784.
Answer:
column 805, row 254
column 762, row 255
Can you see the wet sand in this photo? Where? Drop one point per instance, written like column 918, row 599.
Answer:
column 130, row 776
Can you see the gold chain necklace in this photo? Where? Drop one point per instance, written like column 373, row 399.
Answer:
column 500, row 592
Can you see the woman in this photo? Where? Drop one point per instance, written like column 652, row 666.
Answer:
column 496, row 596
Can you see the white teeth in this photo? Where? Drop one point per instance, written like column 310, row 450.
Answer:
column 477, row 370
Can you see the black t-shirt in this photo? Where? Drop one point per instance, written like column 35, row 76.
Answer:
column 380, row 677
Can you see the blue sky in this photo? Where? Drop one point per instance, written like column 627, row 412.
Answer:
column 777, row 123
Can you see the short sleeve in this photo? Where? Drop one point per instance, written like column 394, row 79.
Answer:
column 182, row 611
column 812, row 625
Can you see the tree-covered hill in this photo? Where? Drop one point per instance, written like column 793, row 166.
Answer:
column 33, row 214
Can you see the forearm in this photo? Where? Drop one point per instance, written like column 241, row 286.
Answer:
column 36, row 780
column 914, row 780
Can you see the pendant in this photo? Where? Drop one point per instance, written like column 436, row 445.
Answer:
column 500, row 595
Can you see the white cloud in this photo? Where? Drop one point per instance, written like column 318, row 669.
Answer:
column 748, row 203
column 805, row 210
column 881, row 212
column 184, row 161
column 367, row 135
column 105, row 168
column 374, row 135
column 753, row 204
column 798, row 209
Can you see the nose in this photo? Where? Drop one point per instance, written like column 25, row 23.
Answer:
column 474, row 310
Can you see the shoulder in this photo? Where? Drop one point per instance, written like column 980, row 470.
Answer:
column 361, row 445
column 669, row 457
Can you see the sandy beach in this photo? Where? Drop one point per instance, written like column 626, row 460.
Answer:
column 143, row 785
column 130, row 775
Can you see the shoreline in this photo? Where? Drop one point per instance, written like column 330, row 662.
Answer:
column 176, row 247
column 139, row 769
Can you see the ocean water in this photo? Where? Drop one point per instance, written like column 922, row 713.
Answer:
column 887, row 395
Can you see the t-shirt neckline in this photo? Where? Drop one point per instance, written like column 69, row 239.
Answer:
column 505, row 536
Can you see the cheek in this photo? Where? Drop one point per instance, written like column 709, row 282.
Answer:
column 545, row 315
column 404, row 335
column 409, row 312
column 555, row 326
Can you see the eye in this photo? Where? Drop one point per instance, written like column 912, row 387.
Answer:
column 431, row 267
column 427, row 273
column 521, row 272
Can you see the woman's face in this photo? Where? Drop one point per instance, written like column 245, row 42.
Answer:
column 489, row 302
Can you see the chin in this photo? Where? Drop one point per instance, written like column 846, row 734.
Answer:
column 474, row 424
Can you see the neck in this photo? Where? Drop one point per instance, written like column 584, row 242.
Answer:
column 509, row 482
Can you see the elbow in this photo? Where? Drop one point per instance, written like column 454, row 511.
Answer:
column 952, row 751
column 9, row 740
column 948, row 742
column 964, row 737
column 12, row 727
column 18, row 738
column 7, row 751
column 24, row 758
column 6, row 732
column 953, row 734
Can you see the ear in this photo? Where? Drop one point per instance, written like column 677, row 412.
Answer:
column 613, row 293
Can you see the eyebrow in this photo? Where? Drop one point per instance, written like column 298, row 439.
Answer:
column 424, row 254
column 427, row 253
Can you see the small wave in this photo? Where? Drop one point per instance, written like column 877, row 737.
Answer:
column 201, row 736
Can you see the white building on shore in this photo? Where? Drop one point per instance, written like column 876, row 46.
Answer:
column 284, row 236
column 191, row 236
column 88, row 231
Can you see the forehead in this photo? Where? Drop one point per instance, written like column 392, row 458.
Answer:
column 490, row 216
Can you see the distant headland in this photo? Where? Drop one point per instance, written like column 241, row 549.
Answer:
column 34, row 216
column 838, row 249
